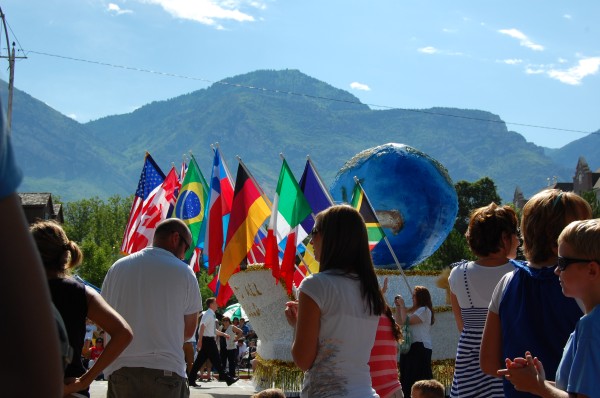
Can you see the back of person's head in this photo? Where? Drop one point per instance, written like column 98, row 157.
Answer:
column 57, row 251
column 544, row 217
column 429, row 389
column 345, row 247
column 269, row 393
column 166, row 227
column 583, row 237
column 487, row 225
column 209, row 301
column 423, row 299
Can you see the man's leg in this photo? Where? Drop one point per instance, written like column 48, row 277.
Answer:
column 200, row 358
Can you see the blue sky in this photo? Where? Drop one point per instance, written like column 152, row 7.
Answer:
column 530, row 62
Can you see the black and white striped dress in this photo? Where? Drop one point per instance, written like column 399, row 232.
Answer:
column 469, row 380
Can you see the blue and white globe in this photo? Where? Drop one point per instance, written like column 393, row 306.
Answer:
column 412, row 194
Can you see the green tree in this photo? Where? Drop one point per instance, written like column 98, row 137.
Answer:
column 592, row 199
column 472, row 195
column 97, row 226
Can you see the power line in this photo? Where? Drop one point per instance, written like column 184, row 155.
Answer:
column 275, row 91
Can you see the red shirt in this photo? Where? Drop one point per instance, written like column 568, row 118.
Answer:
column 95, row 352
column 384, row 369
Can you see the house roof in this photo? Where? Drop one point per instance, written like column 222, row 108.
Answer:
column 35, row 199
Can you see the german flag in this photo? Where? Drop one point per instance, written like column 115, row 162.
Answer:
column 248, row 212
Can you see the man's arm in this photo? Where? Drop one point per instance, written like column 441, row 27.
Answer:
column 190, row 322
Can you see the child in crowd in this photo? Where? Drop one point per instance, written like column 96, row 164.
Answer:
column 427, row 389
column 579, row 273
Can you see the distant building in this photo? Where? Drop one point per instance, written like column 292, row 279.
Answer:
column 584, row 180
column 39, row 206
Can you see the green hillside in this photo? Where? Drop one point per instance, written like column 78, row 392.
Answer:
column 105, row 156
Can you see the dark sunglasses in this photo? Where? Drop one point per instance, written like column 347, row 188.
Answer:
column 187, row 245
column 564, row 262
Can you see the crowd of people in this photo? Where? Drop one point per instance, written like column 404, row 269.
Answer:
column 527, row 328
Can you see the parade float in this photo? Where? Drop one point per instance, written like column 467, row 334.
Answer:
column 415, row 201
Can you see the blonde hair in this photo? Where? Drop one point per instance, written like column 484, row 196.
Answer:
column 544, row 217
column 583, row 237
column 57, row 251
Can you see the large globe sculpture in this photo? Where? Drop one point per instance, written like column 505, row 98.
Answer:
column 413, row 197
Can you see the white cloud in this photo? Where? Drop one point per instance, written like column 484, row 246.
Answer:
column 575, row 74
column 511, row 61
column 523, row 39
column 448, row 30
column 72, row 116
column 428, row 50
column 562, row 61
column 359, row 86
column 209, row 12
column 537, row 71
column 112, row 7
column 567, row 16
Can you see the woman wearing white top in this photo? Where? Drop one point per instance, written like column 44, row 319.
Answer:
column 336, row 317
column 415, row 365
column 492, row 236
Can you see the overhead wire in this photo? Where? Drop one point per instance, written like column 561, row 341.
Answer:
column 277, row 91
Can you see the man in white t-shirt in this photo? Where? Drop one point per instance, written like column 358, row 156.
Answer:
column 158, row 295
column 207, row 345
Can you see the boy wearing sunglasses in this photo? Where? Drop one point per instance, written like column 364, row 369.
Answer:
column 579, row 273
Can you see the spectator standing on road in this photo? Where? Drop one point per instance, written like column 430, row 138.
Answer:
column 158, row 295
column 528, row 310
column 415, row 365
column 76, row 302
column 493, row 236
column 207, row 345
column 234, row 334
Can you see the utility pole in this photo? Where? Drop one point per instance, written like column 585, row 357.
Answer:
column 10, row 55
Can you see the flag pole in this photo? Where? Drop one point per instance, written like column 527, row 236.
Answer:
column 387, row 242
column 320, row 180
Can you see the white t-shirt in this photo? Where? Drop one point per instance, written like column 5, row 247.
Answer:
column 231, row 343
column 153, row 290
column 243, row 349
column 209, row 321
column 481, row 280
column 422, row 331
column 346, row 336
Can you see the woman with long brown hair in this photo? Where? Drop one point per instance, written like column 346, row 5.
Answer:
column 336, row 317
column 76, row 302
column 415, row 365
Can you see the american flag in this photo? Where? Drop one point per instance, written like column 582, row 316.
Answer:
column 150, row 183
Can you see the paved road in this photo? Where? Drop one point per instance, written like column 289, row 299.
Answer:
column 213, row 389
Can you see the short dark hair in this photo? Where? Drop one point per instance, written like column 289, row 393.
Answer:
column 209, row 301
column 487, row 225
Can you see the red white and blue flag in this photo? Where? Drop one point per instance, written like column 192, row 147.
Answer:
column 219, row 207
column 139, row 228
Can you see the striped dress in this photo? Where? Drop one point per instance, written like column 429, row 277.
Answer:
column 471, row 284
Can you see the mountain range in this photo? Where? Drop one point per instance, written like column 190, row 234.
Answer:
column 261, row 114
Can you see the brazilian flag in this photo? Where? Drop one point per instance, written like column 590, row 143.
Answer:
column 191, row 205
